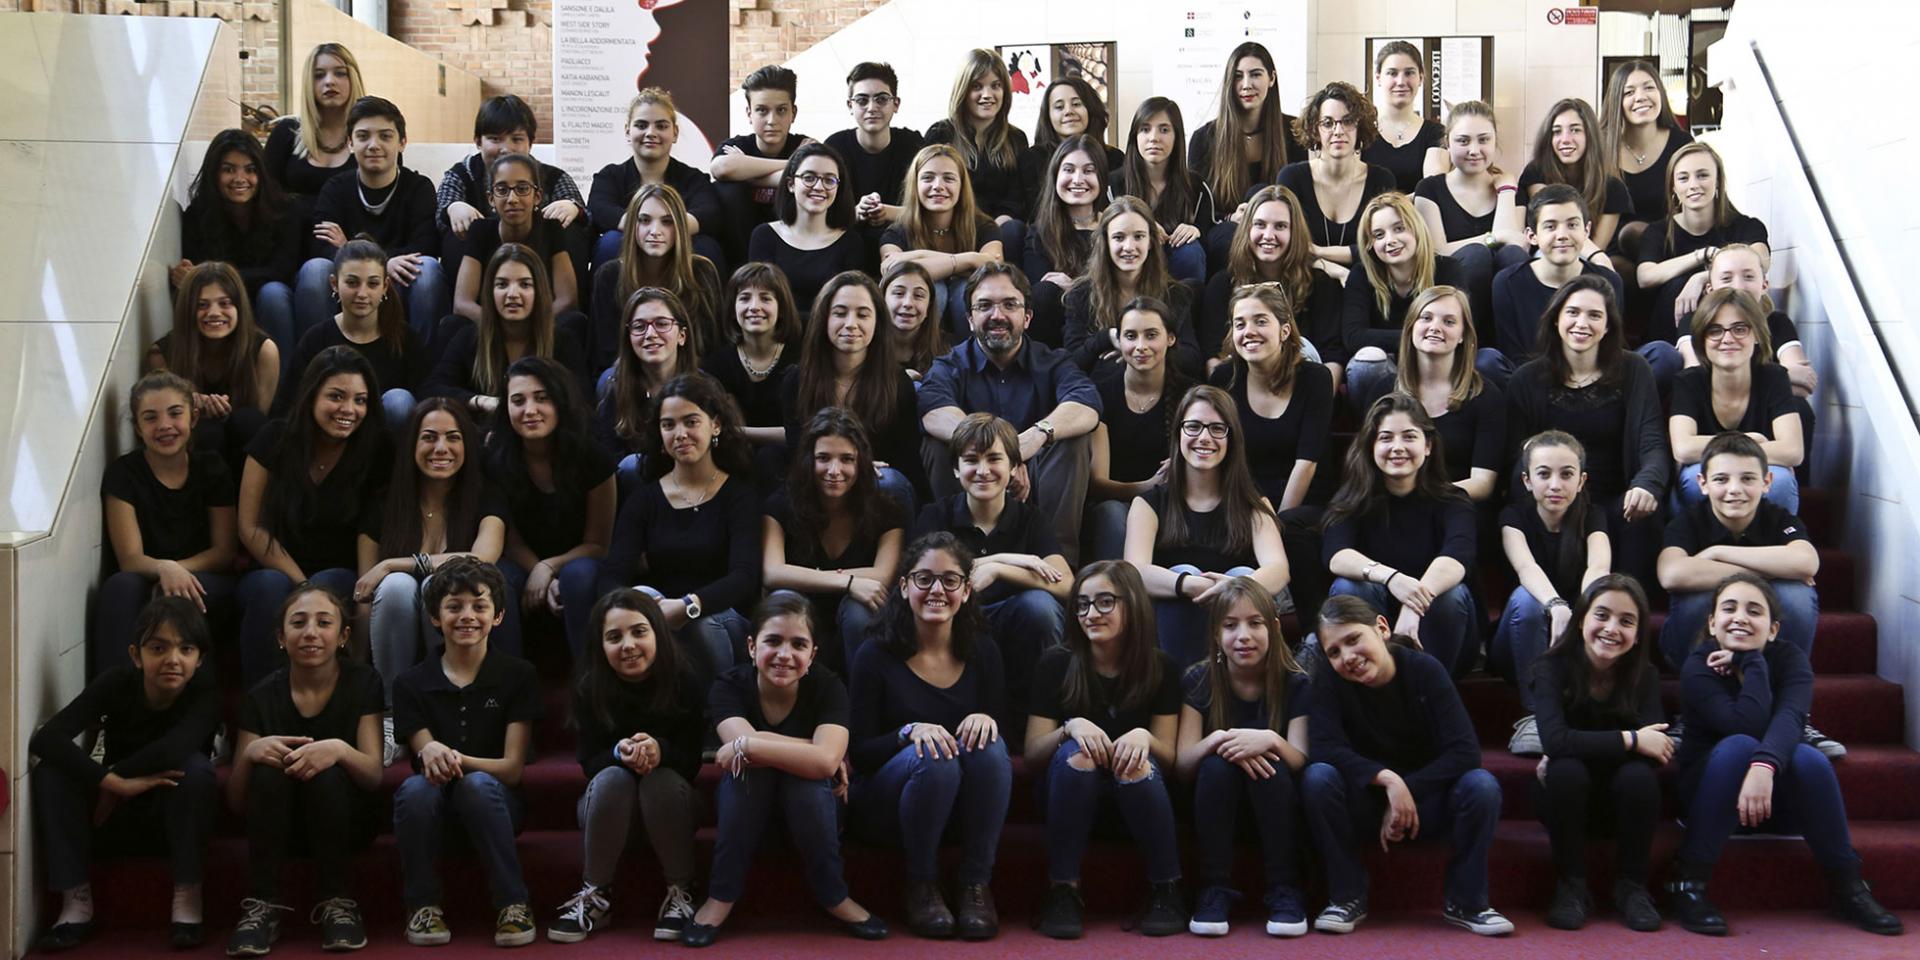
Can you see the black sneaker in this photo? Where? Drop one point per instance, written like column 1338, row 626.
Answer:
column 1636, row 906
column 1852, row 900
column 341, row 928
column 584, row 912
column 1829, row 747
column 1341, row 917
column 1166, row 912
column 1688, row 901
column 185, row 936
column 1485, row 921
column 1210, row 909
column 676, row 911
column 1572, row 903
column 258, row 928
column 1286, row 912
column 1059, row 915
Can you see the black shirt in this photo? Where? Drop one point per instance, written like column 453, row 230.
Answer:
column 616, row 183
column 607, row 331
column 452, row 376
column 677, row 728
column 1519, row 298
column 1303, row 431
column 1661, row 323
column 1049, row 690
column 895, row 442
column 1695, row 528
column 1136, row 442
column 1415, row 725
column 1620, row 424
column 1454, row 218
column 491, row 504
column 1318, row 316
column 137, row 739
column 1298, row 177
column 807, row 270
column 1545, row 545
column 1407, row 162
column 1200, row 160
column 403, row 366
column 174, row 524
column 1408, row 533
column 1587, row 729
column 328, row 537
column 553, row 522
column 985, row 231
column 1205, row 541
column 1770, row 397
column 759, row 399
column 1085, row 336
column 1475, row 435
column 712, row 549
column 1199, row 211
column 472, row 719
column 887, row 695
column 546, row 237
column 997, row 191
column 266, row 251
column 1648, row 188
column 882, row 173
column 1363, row 325
column 1781, row 331
column 1021, row 530
column 404, row 225
column 1616, row 201
column 804, row 549
column 745, row 204
column 822, row 702
column 297, row 174
column 268, row 711
column 1244, row 714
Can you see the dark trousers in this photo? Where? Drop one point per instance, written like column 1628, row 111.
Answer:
column 746, row 806
column 1025, row 625
column 1583, row 798
column 1806, row 800
column 911, row 799
column 260, row 594
column 181, row 816
column 124, row 595
column 1221, row 790
column 579, row 588
column 1344, row 818
column 488, row 813
column 319, row 813
column 1073, row 800
column 227, row 437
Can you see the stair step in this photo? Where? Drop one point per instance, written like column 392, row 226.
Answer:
column 1852, row 708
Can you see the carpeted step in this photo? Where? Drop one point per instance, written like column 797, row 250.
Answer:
column 1879, row 782
column 1852, row 708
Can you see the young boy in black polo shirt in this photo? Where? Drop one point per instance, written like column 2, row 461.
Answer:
column 467, row 716
column 747, row 170
column 1738, row 530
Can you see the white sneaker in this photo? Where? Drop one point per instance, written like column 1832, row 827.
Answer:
column 1526, row 738
column 389, row 750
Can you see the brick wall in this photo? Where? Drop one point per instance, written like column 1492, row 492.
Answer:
column 508, row 44
column 772, row 31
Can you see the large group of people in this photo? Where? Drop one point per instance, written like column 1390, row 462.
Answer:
column 842, row 462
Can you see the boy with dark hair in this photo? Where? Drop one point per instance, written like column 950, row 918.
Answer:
column 505, row 124
column 467, row 717
column 877, row 153
column 1738, row 530
column 391, row 205
column 746, row 171
column 1559, row 224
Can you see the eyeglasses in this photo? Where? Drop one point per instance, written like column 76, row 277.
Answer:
column 812, row 179
column 660, row 325
column 1009, row 305
column 1738, row 331
column 521, row 190
column 881, row 100
column 925, row 579
column 1329, row 123
column 1215, row 429
column 1102, row 602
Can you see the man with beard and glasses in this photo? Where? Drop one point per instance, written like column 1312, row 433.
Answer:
column 1034, row 387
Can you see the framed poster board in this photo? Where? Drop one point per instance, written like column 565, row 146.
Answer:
column 1454, row 69
column 1031, row 67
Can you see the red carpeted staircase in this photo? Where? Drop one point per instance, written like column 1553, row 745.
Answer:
column 1880, row 778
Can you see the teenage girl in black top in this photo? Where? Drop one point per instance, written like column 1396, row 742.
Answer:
column 1128, row 260
column 1640, row 135
column 1156, row 172
column 1270, row 245
column 978, row 125
column 814, row 238
column 1398, row 262
column 514, row 184
column 1676, row 250
column 659, row 347
column 915, row 331
column 1410, row 146
column 1248, row 141
column 762, row 329
column 1129, row 447
column 1437, row 350
column 239, row 215
column 1072, row 194
column 1336, row 124
column 233, row 366
column 942, row 228
column 373, row 322
column 516, row 320
column 304, row 151
column 1567, row 149
column 1472, row 211
column 654, row 252
column 1069, row 107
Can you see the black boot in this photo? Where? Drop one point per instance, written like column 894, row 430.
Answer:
column 1687, row 897
column 1572, row 902
column 1852, row 900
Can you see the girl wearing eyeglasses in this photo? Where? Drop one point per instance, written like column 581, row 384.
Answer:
column 1101, row 730
column 926, row 741
column 659, row 348
column 1402, row 538
column 1337, row 124
column 813, row 240
column 1739, row 388
column 1205, row 526
column 514, row 185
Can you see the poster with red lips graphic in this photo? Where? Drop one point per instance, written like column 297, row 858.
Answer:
column 605, row 51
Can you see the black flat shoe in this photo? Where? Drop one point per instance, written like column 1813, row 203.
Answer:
column 699, row 935
column 64, row 936
column 186, row 936
column 872, row 928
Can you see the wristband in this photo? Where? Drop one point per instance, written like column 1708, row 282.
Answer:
column 1633, row 735
column 1764, row 763
column 1506, row 188
column 1558, row 602
column 1179, row 582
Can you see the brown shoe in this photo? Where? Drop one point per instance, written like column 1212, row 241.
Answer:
column 979, row 920
column 927, row 913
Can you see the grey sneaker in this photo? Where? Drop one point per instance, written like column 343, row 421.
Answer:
column 341, row 928
column 1526, row 738
column 1833, row 749
column 389, row 748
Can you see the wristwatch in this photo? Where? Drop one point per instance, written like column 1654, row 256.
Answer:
column 1046, row 427
column 906, row 732
column 693, row 606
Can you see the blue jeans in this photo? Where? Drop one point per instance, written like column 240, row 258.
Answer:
column 911, row 799
column 1025, row 625
column 1687, row 616
column 852, row 618
column 273, row 314
column 707, row 643
column 260, row 594
column 487, row 810
column 1806, row 800
column 629, row 475
column 1188, row 263
column 1665, row 360
column 579, row 588
column 396, row 407
column 746, row 805
column 1182, row 623
column 1107, row 529
column 1342, row 817
column 400, row 630
column 120, row 601
column 1073, row 801
column 895, row 484
column 428, row 298
column 1219, row 787
column 1446, row 632
column 1369, row 380
column 1785, row 489
column 1521, row 636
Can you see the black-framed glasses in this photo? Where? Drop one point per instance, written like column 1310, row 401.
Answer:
column 1739, row 331
column 1102, row 602
column 881, row 100
column 662, row 325
column 521, row 190
column 1009, row 305
column 1214, row 429
column 812, row 179
column 925, row 579
column 1330, row 123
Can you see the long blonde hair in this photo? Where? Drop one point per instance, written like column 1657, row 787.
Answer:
column 1463, row 383
column 913, row 217
column 1296, row 262
column 1723, row 208
column 1423, row 254
column 308, row 143
column 995, row 143
column 1275, row 674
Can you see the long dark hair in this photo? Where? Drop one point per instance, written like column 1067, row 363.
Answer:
column 1139, row 644
column 1362, row 492
column 895, row 628
column 1174, row 205
column 1621, row 705
column 1046, row 138
column 1291, row 355
column 1572, row 559
column 1610, row 354
column 1275, row 673
column 184, row 354
column 916, row 350
column 1064, row 244
column 603, row 696
column 490, row 358
column 632, row 402
column 874, row 393
column 1240, row 499
column 1227, row 172
column 292, row 501
column 400, row 526
column 1589, row 174
column 1102, row 282
column 568, row 447
column 731, row 450
column 684, row 272
column 839, row 213
column 809, row 509
column 391, row 321
column 210, row 212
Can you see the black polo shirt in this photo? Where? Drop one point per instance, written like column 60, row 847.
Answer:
column 472, row 719
column 1696, row 528
column 1020, row 530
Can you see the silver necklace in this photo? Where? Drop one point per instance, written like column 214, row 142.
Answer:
column 376, row 209
column 746, row 363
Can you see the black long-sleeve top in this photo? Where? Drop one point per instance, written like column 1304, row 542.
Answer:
column 712, row 549
column 466, row 182
column 1318, row 318
column 1766, row 696
column 607, row 331
column 1519, row 298
column 1086, row 345
column 895, row 443
column 997, row 191
column 1363, row 325
column 1636, row 457
column 139, row 740
column 1415, row 725
column 887, row 695
column 406, row 368
column 404, row 225
column 1588, row 732
column 678, row 729
column 452, row 375
column 267, row 251
column 1408, row 532
column 616, row 183
column 297, row 175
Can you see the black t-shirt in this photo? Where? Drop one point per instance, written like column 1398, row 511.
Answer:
column 1596, row 416
column 296, row 174
column 1317, row 315
column 1458, row 223
column 403, row 225
column 268, row 710
column 1617, row 201
column 328, row 537
column 985, row 231
column 1049, row 682
column 267, row 250
column 1021, row 529
column 1475, row 435
column 1205, row 541
column 745, row 204
column 759, row 399
column 403, row 367
column 1303, row 431
column 616, row 183
column 472, row 719
column 553, row 522
column 1298, row 177
column 1649, row 187
column 1363, row 325
column 887, row 695
column 1654, row 248
column 807, row 270
column 1781, row 331
column 1200, row 160
column 1408, row 533
column 546, row 237
column 1197, row 693
column 1770, row 397
column 882, row 173
column 678, row 727
column 174, row 524
column 1695, row 528
column 1136, row 442
column 1545, row 545
column 997, row 191
column 1408, row 161
column 805, row 549
column 492, row 504
column 895, row 442
column 822, row 702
